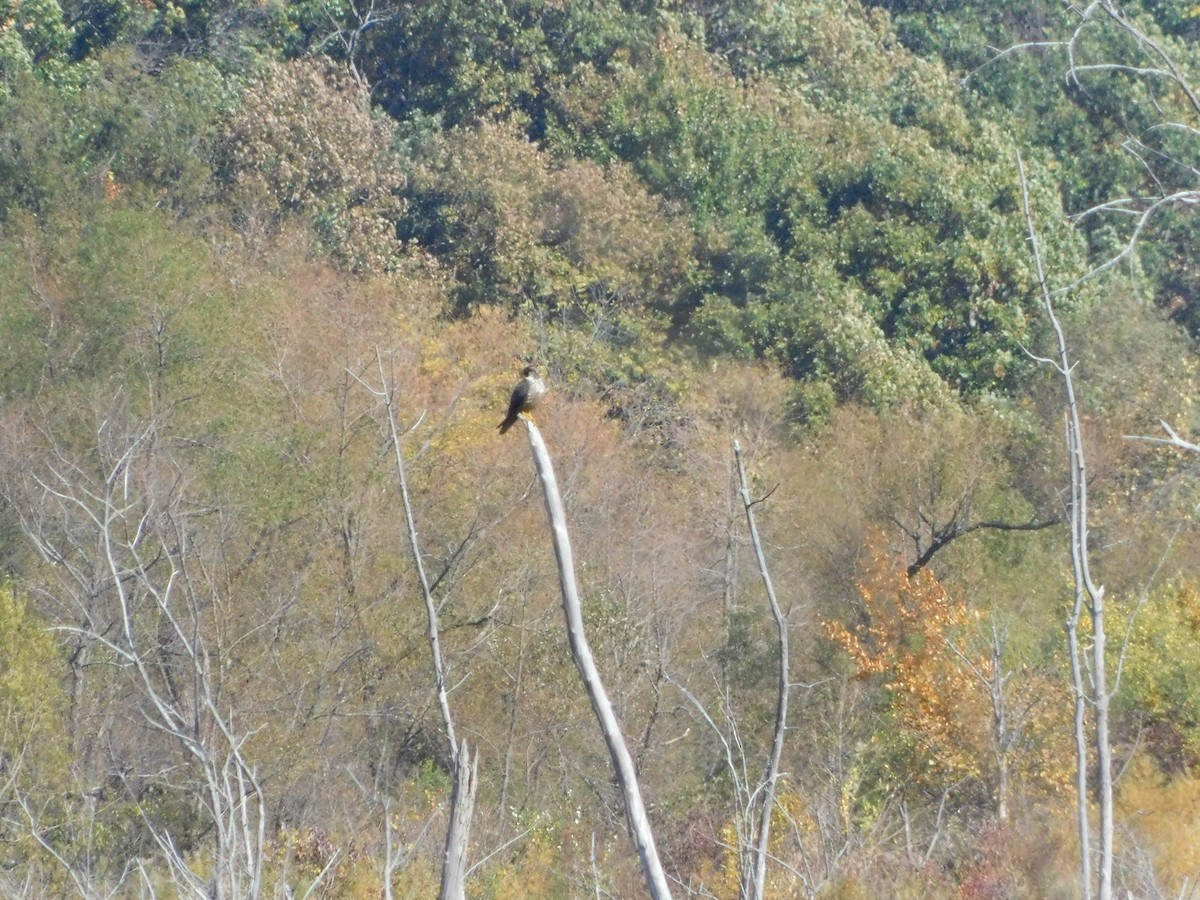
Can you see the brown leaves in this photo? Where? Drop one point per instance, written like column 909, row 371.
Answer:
column 305, row 142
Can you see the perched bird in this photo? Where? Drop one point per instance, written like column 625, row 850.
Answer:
column 525, row 396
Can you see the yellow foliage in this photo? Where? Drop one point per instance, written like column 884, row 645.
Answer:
column 1161, row 676
column 720, row 876
column 1161, row 815
column 32, row 701
column 532, row 875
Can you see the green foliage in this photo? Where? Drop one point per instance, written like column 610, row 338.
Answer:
column 30, row 33
column 914, row 217
column 1161, row 679
column 36, row 169
column 119, row 300
column 466, row 60
column 50, row 38
column 34, row 737
column 791, row 137
column 33, row 703
column 1101, row 129
column 111, row 130
column 516, row 228
column 469, row 61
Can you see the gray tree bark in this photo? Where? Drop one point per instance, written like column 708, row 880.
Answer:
column 635, row 810
column 1088, row 596
column 754, row 876
column 465, row 775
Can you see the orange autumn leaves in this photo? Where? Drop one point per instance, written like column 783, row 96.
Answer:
column 956, row 722
column 904, row 639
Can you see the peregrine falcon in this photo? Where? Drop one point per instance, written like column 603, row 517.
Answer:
column 525, row 396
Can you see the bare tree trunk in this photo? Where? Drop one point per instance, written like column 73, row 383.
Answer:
column 462, row 797
column 753, row 877
column 999, row 682
column 462, row 808
column 1088, row 595
column 581, row 653
column 431, row 620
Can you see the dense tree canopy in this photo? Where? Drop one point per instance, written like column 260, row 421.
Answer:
column 224, row 223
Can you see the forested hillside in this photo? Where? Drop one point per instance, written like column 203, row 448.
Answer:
column 260, row 260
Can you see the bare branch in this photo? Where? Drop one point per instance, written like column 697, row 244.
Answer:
column 385, row 396
column 1171, row 440
column 754, row 877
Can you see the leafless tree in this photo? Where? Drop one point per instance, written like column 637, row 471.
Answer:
column 1089, row 596
column 466, row 767
column 754, row 792
column 1171, row 440
column 754, row 870
column 131, row 555
column 994, row 679
column 1155, row 63
column 360, row 18
column 1151, row 62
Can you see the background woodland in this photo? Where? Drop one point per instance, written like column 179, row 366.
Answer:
column 226, row 225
